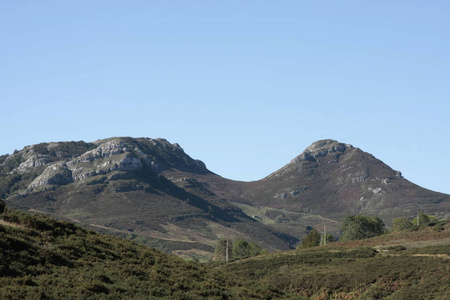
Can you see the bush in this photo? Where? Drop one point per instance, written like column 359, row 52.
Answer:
column 424, row 220
column 311, row 240
column 361, row 227
column 439, row 226
column 399, row 224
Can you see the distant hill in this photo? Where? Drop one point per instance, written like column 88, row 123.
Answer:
column 328, row 181
column 335, row 180
column 151, row 191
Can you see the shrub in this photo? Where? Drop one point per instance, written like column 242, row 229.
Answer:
column 439, row 226
column 361, row 227
column 311, row 240
column 399, row 224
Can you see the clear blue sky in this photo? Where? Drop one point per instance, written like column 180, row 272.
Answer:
column 245, row 86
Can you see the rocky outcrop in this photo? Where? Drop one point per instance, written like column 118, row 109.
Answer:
column 122, row 162
column 105, row 150
column 55, row 174
column 115, row 154
column 108, row 157
column 321, row 149
column 34, row 161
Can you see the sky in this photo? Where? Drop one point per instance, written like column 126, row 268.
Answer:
column 244, row 86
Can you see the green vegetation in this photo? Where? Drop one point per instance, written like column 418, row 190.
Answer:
column 361, row 227
column 222, row 247
column 421, row 221
column 65, row 149
column 399, row 224
column 237, row 249
column 424, row 220
column 312, row 239
column 342, row 273
column 41, row 258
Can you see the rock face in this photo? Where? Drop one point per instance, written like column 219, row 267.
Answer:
column 321, row 149
column 116, row 154
column 33, row 162
column 55, row 174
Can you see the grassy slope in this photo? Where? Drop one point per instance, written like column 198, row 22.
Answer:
column 41, row 258
column 409, row 265
column 45, row 259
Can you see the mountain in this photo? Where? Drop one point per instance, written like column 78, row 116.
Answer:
column 330, row 180
column 119, row 185
column 151, row 191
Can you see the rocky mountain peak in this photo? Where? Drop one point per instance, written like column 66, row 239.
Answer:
column 66, row 162
column 320, row 149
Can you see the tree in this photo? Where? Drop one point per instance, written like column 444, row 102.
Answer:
column 329, row 239
column 399, row 224
column 312, row 239
column 424, row 220
column 237, row 249
column 240, row 249
column 220, row 253
column 255, row 249
column 361, row 227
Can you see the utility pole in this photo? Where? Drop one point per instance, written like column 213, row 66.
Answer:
column 226, row 252
column 324, row 234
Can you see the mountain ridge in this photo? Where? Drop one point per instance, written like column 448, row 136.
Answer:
column 150, row 189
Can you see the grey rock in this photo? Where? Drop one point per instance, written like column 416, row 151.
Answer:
column 34, row 161
column 55, row 174
column 321, row 149
column 105, row 150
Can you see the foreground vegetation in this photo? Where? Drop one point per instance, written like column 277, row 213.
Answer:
column 41, row 258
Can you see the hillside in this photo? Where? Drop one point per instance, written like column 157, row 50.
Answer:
column 122, row 186
column 330, row 180
column 407, row 265
column 41, row 258
column 151, row 191
column 335, row 180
